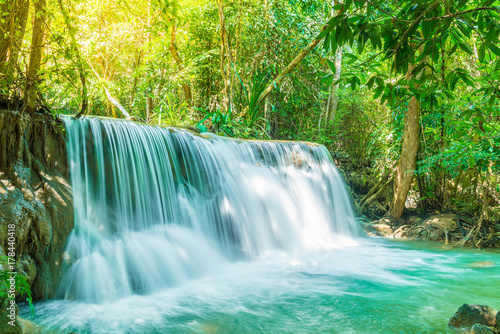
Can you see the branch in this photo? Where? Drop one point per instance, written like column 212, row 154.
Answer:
column 383, row 11
column 290, row 67
column 117, row 104
column 431, row 7
column 108, row 94
column 462, row 13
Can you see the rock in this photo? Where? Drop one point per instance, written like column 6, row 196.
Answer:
column 382, row 227
column 442, row 221
column 481, row 329
column 469, row 314
column 35, row 197
column 498, row 320
column 9, row 323
column 482, row 264
column 30, row 327
column 358, row 209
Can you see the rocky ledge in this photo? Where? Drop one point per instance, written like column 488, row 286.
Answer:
column 35, row 199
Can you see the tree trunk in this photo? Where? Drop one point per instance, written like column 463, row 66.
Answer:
column 225, row 61
column 405, row 169
column 149, row 107
column 32, row 77
column 333, row 99
column 175, row 54
column 11, row 36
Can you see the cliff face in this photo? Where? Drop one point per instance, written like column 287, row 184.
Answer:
column 35, row 195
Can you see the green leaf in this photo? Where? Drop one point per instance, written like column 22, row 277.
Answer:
column 370, row 82
column 353, row 83
column 481, row 53
column 494, row 49
column 378, row 92
column 466, row 48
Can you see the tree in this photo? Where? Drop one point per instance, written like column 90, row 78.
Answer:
column 33, row 77
column 411, row 37
column 12, row 28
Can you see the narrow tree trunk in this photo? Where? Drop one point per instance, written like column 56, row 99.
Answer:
column 7, row 25
column 405, row 169
column 11, row 36
column 32, row 77
column 333, row 99
column 175, row 54
column 136, row 77
column 149, row 108
column 79, row 59
column 116, row 104
column 224, row 57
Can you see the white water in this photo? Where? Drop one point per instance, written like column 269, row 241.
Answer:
column 157, row 207
column 179, row 233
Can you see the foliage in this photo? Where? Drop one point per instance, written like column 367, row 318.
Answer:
column 151, row 55
column 22, row 287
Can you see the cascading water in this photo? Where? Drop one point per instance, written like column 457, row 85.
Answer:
column 155, row 207
column 182, row 233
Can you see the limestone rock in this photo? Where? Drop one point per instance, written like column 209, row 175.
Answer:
column 470, row 314
column 35, row 196
column 9, row 323
column 481, row 329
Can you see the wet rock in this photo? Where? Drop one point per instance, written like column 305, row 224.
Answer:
column 482, row 329
column 482, row 264
column 35, row 197
column 498, row 320
column 382, row 228
column 9, row 323
column 470, row 314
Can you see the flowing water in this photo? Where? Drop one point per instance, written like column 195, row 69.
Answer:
column 183, row 233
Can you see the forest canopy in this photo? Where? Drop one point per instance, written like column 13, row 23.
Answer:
column 409, row 88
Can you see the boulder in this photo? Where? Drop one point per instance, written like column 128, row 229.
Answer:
column 35, row 197
column 470, row 314
column 481, row 329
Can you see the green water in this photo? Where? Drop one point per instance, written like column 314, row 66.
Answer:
column 360, row 286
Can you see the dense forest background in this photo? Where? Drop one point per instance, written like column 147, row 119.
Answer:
column 408, row 90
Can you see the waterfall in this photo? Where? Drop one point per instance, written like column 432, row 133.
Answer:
column 155, row 207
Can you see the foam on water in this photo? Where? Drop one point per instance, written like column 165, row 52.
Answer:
column 156, row 207
column 182, row 233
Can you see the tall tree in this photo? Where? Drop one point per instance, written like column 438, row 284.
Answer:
column 37, row 40
column 225, row 57
column 405, row 169
column 180, row 65
column 399, row 31
column 12, row 28
column 76, row 51
column 333, row 99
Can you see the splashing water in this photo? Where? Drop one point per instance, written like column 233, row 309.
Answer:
column 156, row 207
column 183, row 233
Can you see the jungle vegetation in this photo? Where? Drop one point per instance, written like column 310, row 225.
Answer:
column 409, row 88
